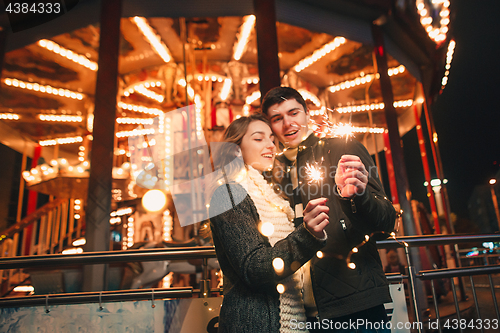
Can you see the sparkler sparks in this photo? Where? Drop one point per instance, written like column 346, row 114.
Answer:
column 313, row 172
column 343, row 130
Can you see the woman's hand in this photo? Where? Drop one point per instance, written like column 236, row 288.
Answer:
column 316, row 217
column 351, row 176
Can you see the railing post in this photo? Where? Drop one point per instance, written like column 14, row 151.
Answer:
column 413, row 293
column 205, row 281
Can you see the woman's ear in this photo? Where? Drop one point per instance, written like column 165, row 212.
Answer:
column 238, row 153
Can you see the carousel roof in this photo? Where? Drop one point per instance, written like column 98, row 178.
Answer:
column 325, row 49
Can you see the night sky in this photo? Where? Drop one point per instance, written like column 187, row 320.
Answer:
column 467, row 113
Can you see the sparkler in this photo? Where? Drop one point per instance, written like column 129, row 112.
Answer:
column 313, row 172
column 343, row 130
column 334, row 130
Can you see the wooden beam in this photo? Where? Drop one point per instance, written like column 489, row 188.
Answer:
column 267, row 45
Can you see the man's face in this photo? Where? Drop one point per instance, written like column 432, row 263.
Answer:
column 289, row 122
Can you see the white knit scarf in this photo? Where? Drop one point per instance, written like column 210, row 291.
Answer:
column 272, row 208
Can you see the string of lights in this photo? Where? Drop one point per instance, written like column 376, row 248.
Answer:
column 140, row 108
column 60, row 118
column 153, row 39
column 437, row 34
column 243, row 36
column 46, row 89
column 318, row 54
column 9, row 116
column 373, row 106
column 68, row 54
column 449, row 58
column 363, row 79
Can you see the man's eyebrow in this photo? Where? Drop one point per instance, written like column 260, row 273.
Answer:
column 275, row 115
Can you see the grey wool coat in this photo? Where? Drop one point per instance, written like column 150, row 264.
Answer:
column 251, row 301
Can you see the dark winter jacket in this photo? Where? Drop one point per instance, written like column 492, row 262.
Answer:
column 339, row 290
column 251, row 301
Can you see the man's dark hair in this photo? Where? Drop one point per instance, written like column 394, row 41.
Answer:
column 278, row 95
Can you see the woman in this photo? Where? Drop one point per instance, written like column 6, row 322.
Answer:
column 255, row 267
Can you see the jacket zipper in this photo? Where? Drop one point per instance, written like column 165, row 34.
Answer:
column 344, row 227
column 353, row 206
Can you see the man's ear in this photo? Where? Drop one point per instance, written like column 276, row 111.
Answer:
column 308, row 115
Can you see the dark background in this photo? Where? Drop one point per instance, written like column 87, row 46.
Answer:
column 467, row 112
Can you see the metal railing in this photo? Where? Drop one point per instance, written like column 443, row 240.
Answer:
column 208, row 252
column 47, row 230
column 56, row 260
column 448, row 273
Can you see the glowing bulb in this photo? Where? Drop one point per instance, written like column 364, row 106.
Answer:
column 279, row 265
column 319, row 254
column 154, row 200
column 280, row 288
column 79, row 242
column 266, row 228
column 351, row 265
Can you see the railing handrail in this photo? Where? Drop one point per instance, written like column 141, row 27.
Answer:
column 441, row 239
column 97, row 297
column 31, row 218
column 177, row 253
column 184, row 253
column 455, row 272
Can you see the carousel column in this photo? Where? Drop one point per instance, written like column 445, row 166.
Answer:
column 427, row 173
column 452, row 260
column 437, row 163
column 267, row 45
column 403, row 189
column 390, row 169
column 100, row 180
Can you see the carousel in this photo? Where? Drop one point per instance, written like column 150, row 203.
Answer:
column 184, row 73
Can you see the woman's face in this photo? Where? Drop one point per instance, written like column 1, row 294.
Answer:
column 257, row 146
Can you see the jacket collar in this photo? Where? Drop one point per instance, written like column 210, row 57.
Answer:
column 309, row 142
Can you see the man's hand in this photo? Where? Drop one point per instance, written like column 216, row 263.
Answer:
column 316, row 216
column 351, row 176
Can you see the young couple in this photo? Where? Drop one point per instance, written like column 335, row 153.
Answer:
column 278, row 281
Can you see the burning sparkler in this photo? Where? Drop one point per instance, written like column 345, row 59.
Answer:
column 313, row 171
column 343, row 130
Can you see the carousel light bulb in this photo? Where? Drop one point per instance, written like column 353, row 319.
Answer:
column 319, row 254
column 154, row 200
column 351, row 265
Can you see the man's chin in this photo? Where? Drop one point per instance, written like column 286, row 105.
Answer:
column 293, row 144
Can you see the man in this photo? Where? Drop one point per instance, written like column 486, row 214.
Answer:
column 357, row 208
